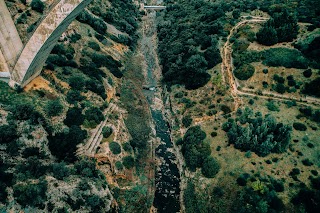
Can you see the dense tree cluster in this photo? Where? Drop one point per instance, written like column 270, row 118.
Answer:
column 256, row 133
column 197, row 153
column 185, row 28
column 282, row 27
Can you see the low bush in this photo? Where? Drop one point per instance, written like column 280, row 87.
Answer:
column 289, row 58
column 307, row 73
column 93, row 45
column 299, row 126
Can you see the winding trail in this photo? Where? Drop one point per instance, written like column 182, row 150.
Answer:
column 227, row 73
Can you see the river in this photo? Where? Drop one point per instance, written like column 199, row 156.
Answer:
column 167, row 177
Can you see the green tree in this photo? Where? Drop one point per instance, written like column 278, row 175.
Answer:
column 8, row 133
column 210, row 167
column 37, row 5
column 267, row 35
column 187, row 121
column 107, row 131
column 60, row 170
column 128, row 162
column 115, row 148
column 53, row 108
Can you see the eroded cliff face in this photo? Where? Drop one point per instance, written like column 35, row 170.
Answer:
column 57, row 145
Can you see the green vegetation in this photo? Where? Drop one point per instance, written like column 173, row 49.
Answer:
column 312, row 88
column 259, row 134
column 299, row 126
column 64, row 145
column 187, row 121
column 54, row 108
column 282, row 27
column 107, row 131
column 289, row 58
column 182, row 62
column 244, row 72
column 197, row 153
column 8, row 133
column 37, row 5
column 93, row 116
column 96, row 23
column 128, row 162
column 210, row 167
column 115, row 148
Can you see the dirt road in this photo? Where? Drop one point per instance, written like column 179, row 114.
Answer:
column 229, row 78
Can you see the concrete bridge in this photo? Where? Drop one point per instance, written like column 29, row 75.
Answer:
column 154, row 7
column 19, row 63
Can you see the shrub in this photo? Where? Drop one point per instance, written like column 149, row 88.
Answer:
column 37, row 5
column 244, row 72
column 8, row 133
column 74, row 96
column 210, row 167
column 128, row 162
column 53, row 108
column 307, row 162
column 225, row 109
column 93, row 45
column 187, row 121
column 119, row 165
column 74, row 117
column 64, row 145
column 307, row 73
column 242, row 180
column 271, row 105
column 115, row 148
column 94, row 114
column 127, row 147
column 107, row 131
column 299, row 126
column 214, row 134
column 265, row 71
column 30, row 194
column 280, row 88
column 76, row 82
column 312, row 88
column 60, row 170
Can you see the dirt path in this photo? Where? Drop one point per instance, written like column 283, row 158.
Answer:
column 229, row 78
